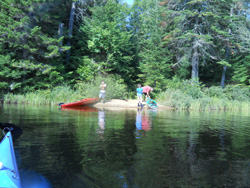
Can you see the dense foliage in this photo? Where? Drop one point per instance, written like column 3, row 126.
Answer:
column 188, row 95
column 48, row 43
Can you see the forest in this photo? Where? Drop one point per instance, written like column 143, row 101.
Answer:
column 188, row 50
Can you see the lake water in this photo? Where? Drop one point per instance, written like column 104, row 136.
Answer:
column 104, row 148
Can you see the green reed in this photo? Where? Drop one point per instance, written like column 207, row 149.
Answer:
column 65, row 94
column 181, row 100
column 44, row 97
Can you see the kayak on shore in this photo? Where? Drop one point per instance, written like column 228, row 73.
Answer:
column 9, row 175
column 84, row 102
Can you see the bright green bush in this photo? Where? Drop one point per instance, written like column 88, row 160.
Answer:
column 116, row 88
column 175, row 99
column 194, row 96
column 235, row 92
column 191, row 88
column 214, row 91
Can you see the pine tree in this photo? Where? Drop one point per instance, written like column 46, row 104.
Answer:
column 105, row 41
column 197, row 31
column 24, row 44
column 154, row 59
column 240, row 50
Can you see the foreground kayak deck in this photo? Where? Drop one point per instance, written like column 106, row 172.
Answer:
column 83, row 102
column 9, row 175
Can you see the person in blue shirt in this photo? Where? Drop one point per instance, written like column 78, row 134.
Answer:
column 139, row 94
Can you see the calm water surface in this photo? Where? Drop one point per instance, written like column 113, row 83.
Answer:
column 96, row 148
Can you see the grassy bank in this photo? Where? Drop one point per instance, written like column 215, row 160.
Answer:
column 44, row 97
column 182, row 95
column 65, row 94
column 176, row 99
column 185, row 95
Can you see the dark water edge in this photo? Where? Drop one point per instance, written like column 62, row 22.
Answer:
column 128, row 148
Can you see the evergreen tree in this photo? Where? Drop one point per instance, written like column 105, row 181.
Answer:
column 240, row 50
column 197, row 31
column 105, row 42
column 147, row 43
column 154, row 59
column 28, row 50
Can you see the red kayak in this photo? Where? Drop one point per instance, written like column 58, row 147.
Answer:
column 84, row 102
column 81, row 109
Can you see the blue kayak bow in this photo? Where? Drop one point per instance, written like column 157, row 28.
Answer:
column 9, row 175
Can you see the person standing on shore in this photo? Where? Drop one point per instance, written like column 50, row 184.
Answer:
column 139, row 94
column 146, row 91
column 102, row 91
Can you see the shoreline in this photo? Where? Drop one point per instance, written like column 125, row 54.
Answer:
column 118, row 103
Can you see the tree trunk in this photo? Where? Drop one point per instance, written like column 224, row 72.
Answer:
column 195, row 58
column 25, row 57
column 71, row 24
column 223, row 77
column 60, row 34
column 195, row 64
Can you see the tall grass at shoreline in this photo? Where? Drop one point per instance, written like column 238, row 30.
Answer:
column 65, row 94
column 181, row 95
column 43, row 97
column 202, row 100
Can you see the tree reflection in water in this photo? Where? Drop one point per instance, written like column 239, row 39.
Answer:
column 110, row 148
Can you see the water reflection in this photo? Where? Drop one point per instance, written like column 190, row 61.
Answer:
column 31, row 179
column 144, row 119
column 79, row 109
column 146, row 122
column 175, row 149
column 138, row 119
column 101, row 122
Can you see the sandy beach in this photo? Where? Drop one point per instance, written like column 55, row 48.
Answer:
column 125, row 104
